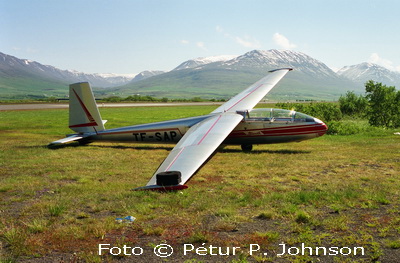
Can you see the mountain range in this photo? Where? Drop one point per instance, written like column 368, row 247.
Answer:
column 363, row 72
column 212, row 77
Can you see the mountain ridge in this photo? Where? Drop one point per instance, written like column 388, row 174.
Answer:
column 310, row 79
column 365, row 71
column 207, row 77
column 16, row 67
column 193, row 63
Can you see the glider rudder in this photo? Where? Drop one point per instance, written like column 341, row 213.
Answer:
column 84, row 116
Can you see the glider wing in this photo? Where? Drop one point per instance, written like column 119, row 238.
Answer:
column 196, row 146
column 247, row 99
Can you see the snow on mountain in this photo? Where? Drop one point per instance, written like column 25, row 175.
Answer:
column 146, row 74
column 273, row 58
column 222, row 77
column 115, row 75
column 214, row 76
column 363, row 72
column 193, row 63
column 264, row 60
column 14, row 67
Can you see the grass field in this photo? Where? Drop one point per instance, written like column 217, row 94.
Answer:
column 58, row 205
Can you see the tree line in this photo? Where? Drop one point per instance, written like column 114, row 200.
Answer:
column 146, row 98
column 380, row 106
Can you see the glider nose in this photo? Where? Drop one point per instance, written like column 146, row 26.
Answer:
column 321, row 127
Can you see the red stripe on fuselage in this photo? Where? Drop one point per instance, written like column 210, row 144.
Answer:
column 280, row 131
column 145, row 131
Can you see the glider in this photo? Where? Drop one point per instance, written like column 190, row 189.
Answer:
column 235, row 122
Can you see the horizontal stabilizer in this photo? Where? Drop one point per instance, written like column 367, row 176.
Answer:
column 71, row 138
column 162, row 188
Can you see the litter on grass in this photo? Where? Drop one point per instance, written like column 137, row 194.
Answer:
column 128, row 219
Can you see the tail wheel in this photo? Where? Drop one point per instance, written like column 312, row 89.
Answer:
column 247, row 147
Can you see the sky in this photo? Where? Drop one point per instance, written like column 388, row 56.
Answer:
column 127, row 37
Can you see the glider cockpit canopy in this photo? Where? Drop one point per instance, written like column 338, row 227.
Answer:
column 270, row 114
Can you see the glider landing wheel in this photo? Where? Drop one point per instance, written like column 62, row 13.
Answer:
column 247, row 147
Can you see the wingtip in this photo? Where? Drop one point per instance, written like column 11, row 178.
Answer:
column 289, row 69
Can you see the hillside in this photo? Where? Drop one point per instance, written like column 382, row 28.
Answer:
column 21, row 78
column 311, row 79
column 217, row 77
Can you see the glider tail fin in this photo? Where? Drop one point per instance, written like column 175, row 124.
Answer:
column 84, row 116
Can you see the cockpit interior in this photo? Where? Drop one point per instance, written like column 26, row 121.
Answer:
column 271, row 114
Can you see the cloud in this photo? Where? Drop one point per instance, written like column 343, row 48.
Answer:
column 248, row 42
column 245, row 41
column 201, row 45
column 219, row 29
column 282, row 41
column 376, row 59
column 25, row 50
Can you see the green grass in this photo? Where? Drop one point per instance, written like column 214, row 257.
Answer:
column 330, row 191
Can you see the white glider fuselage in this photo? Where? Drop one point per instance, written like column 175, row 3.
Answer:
column 293, row 126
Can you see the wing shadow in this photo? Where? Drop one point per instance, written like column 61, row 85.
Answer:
column 76, row 144
column 169, row 148
column 284, row 151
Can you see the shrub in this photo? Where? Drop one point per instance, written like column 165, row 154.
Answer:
column 384, row 105
column 353, row 105
column 343, row 128
column 325, row 111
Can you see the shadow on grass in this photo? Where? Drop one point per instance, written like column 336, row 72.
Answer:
column 266, row 151
column 169, row 148
column 76, row 144
column 142, row 147
column 59, row 146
